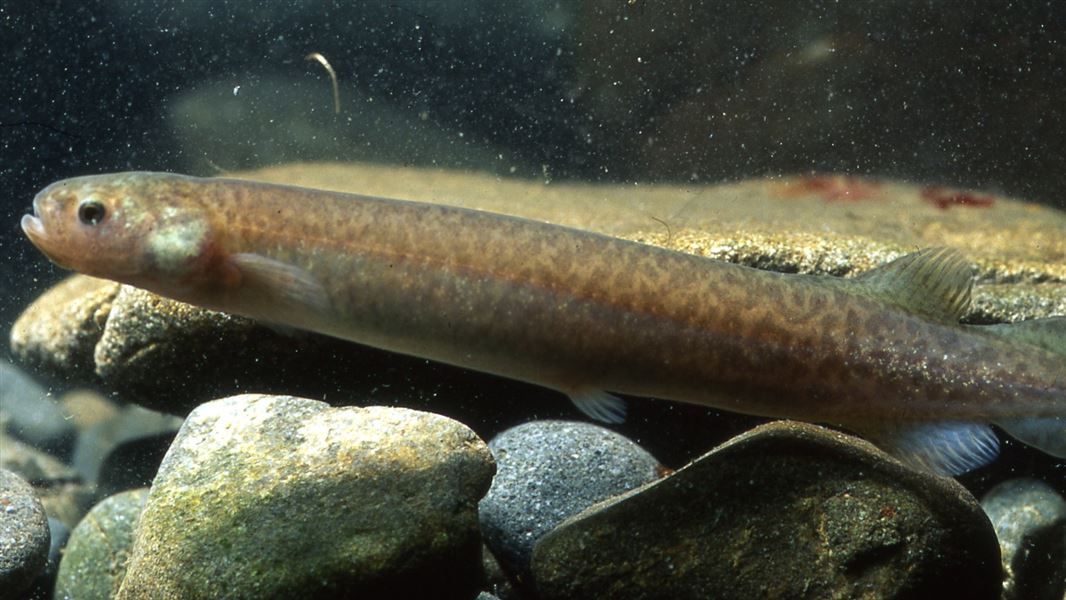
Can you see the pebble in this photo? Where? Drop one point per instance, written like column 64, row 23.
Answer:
column 276, row 496
column 548, row 471
column 1030, row 522
column 788, row 510
column 24, row 536
column 94, row 562
column 58, row 487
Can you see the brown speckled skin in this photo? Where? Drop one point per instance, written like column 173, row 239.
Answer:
column 573, row 310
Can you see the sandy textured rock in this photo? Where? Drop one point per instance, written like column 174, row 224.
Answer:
column 24, row 535
column 264, row 496
column 59, row 331
column 94, row 562
column 787, row 510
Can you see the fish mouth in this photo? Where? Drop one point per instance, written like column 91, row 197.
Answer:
column 32, row 225
column 33, row 228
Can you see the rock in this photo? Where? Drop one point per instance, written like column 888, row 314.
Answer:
column 24, row 536
column 31, row 414
column 94, row 562
column 263, row 496
column 88, row 408
column 131, row 424
column 59, row 331
column 496, row 581
column 59, row 487
column 1030, row 522
column 548, row 471
column 45, row 583
column 787, row 510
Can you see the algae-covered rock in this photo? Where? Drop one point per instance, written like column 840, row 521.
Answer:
column 788, row 510
column 263, row 496
column 94, row 562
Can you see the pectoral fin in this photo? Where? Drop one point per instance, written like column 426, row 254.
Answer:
column 287, row 286
column 944, row 448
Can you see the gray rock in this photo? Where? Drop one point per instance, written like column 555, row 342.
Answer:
column 32, row 415
column 24, row 536
column 132, row 423
column 264, row 496
column 1030, row 522
column 548, row 471
column 787, row 510
column 94, row 562
column 59, row 488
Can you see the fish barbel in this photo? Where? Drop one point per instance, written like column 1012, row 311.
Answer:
column 883, row 354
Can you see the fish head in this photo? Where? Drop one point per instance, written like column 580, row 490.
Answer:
column 128, row 227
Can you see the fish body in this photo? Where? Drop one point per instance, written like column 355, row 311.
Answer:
column 579, row 312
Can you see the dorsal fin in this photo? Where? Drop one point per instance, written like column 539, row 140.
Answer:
column 935, row 283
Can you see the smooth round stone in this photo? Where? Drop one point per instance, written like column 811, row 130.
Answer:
column 1030, row 522
column 58, row 487
column 788, row 510
column 283, row 497
column 24, row 536
column 94, row 562
column 548, row 471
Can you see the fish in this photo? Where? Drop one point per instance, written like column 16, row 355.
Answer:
column 882, row 354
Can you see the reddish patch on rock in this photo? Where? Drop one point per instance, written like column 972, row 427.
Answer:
column 833, row 188
column 944, row 198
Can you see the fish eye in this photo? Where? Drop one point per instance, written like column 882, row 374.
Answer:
column 91, row 212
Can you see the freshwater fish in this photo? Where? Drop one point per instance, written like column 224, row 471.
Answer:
column 883, row 355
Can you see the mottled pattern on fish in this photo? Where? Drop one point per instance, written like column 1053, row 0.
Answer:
column 570, row 310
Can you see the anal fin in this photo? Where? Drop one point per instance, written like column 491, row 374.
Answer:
column 1047, row 434
column 944, row 448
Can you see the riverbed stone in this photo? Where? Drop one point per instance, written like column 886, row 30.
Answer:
column 1030, row 522
column 786, row 510
column 269, row 496
column 60, row 489
column 548, row 471
column 94, row 562
column 31, row 413
column 24, row 536
column 59, row 331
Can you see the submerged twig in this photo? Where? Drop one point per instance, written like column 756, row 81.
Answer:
column 317, row 57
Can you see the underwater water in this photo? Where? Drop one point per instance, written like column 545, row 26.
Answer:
column 820, row 141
